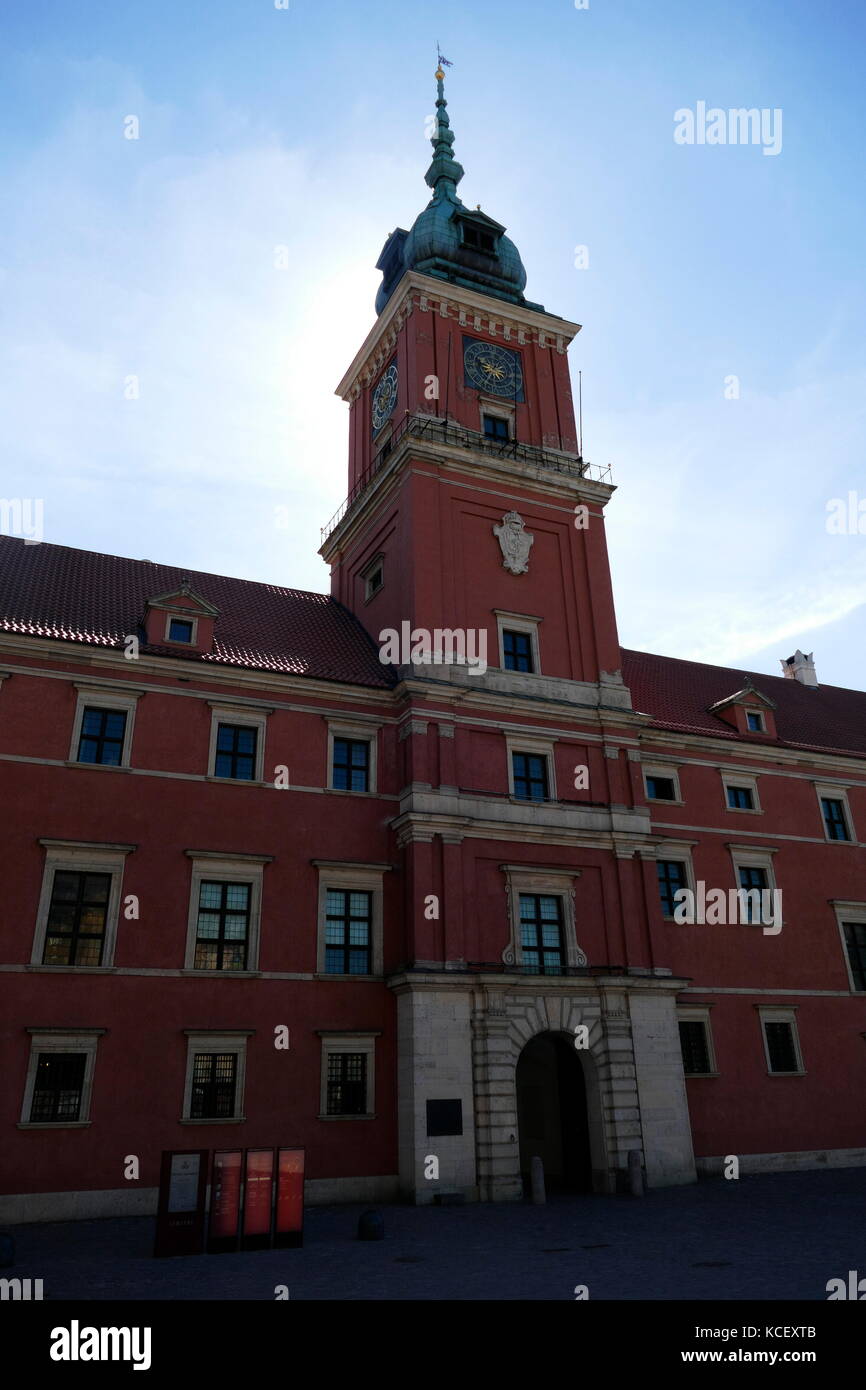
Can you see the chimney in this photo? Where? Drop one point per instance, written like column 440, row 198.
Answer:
column 801, row 668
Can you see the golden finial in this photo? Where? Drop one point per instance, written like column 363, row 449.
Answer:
column 439, row 74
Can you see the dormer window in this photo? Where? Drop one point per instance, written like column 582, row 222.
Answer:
column 180, row 630
column 755, row 721
column 477, row 239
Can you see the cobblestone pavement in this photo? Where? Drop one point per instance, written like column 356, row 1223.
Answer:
column 775, row 1237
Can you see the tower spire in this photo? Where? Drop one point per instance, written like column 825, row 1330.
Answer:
column 444, row 173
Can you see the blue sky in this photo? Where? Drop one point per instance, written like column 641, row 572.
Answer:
column 304, row 127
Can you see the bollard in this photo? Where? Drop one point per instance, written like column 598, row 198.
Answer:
column 635, row 1173
column 371, row 1226
column 539, row 1196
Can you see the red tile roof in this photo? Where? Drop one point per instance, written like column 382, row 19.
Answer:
column 79, row 596
column 678, row 694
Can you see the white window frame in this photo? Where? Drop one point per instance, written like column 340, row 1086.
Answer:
column 855, row 913
column 834, row 792
column 185, row 616
column 77, row 1040
column 751, row 857
column 662, row 769
column 102, row 697
column 359, row 878
column 233, row 1040
column 679, row 852
column 226, row 869
column 377, row 563
column 82, row 857
column 551, row 883
column 349, row 1042
column 769, row 1013
column 700, row 1013
column 538, row 747
column 518, row 622
column 750, row 710
column 238, row 714
column 360, row 732
column 741, row 779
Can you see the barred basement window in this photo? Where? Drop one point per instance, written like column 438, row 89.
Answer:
column 696, row 1053
column 834, row 819
column 517, row 650
column 855, row 945
column 213, row 1086
column 671, row 875
column 348, row 924
column 530, row 776
column 236, row 752
column 351, row 765
column 76, row 919
column 102, row 735
column 222, row 929
column 541, row 934
column 58, row 1087
column 780, row 1046
column 347, row 1083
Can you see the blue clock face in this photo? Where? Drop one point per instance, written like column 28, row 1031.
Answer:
column 384, row 397
column 494, row 369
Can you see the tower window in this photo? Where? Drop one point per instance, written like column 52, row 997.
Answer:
column 374, row 581
column 495, row 427
column 517, row 650
column 530, row 776
column 476, row 239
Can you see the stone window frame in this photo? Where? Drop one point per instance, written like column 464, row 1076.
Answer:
column 679, row 851
column 185, row 616
column 104, row 697
column 833, row 791
column 732, row 778
column 345, row 876
column 854, row 912
column 367, row 573
column 87, row 857
column 495, row 405
column 752, row 713
column 537, row 747
column 660, row 768
column 362, row 1040
column 777, row 1013
column 200, row 1040
column 76, row 1040
column 754, row 857
column 552, row 883
column 358, row 731
column 518, row 622
column 226, row 868
column 700, row 1013
column 252, row 717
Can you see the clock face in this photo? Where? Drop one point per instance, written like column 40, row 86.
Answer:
column 494, row 369
column 384, row 397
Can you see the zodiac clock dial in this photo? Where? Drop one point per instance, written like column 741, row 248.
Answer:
column 494, row 369
column 384, row 397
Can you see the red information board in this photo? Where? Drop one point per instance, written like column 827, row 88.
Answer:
column 225, row 1200
column 290, row 1198
column 258, row 1194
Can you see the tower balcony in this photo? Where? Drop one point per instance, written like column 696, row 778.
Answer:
column 435, row 431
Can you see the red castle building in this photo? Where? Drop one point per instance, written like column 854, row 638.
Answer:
column 455, row 882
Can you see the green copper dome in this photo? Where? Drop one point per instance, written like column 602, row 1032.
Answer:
column 449, row 240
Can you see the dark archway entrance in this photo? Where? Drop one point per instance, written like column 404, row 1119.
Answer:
column 551, row 1114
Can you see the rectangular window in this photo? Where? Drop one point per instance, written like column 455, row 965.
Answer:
column 495, row 427
column 236, row 752
column 671, row 876
column 222, row 929
column 180, row 630
column 58, row 1088
column 347, row 1083
column 740, row 798
column 541, row 934
column 530, row 776
column 834, row 818
column 780, row 1046
column 696, row 1053
column 348, row 932
column 661, row 789
column 517, row 650
column 102, row 734
column 754, row 722
column 76, row 918
column 214, row 1076
column 855, row 945
column 751, row 878
column 351, row 764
